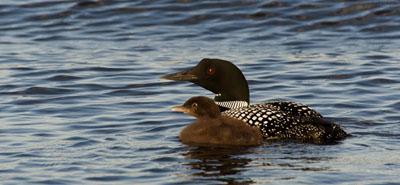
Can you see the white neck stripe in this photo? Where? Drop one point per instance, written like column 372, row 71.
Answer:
column 232, row 104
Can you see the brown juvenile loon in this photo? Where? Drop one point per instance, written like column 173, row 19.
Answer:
column 275, row 119
column 213, row 128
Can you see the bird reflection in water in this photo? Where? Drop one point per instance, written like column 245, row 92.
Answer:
column 220, row 164
column 249, row 165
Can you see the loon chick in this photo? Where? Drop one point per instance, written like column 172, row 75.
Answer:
column 212, row 128
column 275, row 119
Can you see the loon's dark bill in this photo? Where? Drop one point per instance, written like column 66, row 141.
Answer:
column 181, row 76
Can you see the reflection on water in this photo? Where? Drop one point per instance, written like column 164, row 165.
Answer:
column 218, row 164
column 238, row 165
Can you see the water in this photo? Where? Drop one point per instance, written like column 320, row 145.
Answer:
column 82, row 102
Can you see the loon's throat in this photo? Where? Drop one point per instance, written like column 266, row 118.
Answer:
column 228, row 97
column 232, row 104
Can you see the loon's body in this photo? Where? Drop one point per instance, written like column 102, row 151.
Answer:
column 212, row 128
column 275, row 119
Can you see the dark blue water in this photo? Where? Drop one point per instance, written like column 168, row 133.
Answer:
column 82, row 102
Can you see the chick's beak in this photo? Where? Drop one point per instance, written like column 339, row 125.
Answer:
column 180, row 109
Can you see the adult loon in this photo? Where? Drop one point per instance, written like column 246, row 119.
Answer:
column 275, row 119
column 213, row 128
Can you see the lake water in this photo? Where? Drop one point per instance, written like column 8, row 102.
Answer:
column 82, row 102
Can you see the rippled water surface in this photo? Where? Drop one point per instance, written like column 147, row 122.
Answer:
column 82, row 101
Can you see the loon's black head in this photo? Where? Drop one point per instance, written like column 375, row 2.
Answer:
column 199, row 107
column 221, row 77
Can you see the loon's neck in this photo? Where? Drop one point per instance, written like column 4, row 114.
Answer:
column 231, row 88
column 226, row 104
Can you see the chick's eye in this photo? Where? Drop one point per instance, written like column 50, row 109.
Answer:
column 210, row 70
column 194, row 105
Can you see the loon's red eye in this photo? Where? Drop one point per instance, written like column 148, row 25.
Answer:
column 210, row 70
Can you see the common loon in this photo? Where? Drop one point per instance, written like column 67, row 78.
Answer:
column 275, row 119
column 213, row 128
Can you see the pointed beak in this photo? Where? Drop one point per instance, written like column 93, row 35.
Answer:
column 181, row 76
column 180, row 109
column 185, row 110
